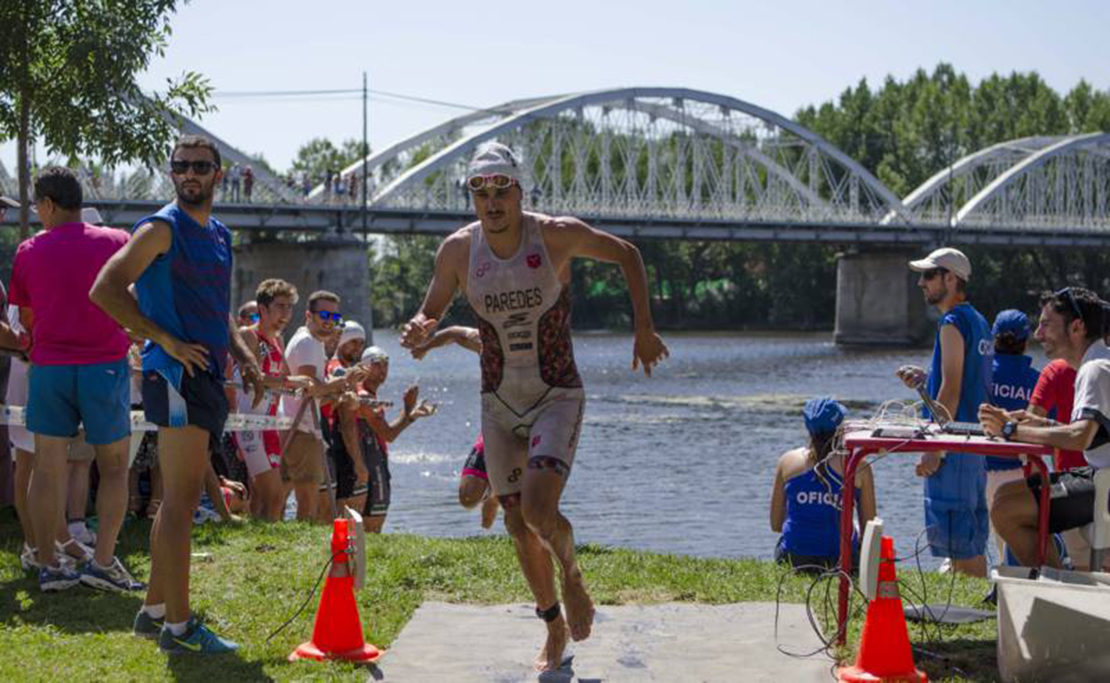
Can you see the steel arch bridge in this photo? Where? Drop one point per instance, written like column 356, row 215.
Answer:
column 1045, row 187
column 674, row 163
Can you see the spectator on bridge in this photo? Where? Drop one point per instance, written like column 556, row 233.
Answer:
column 81, row 376
column 329, row 176
column 236, row 179
column 248, row 183
column 306, row 182
column 959, row 381
column 806, row 494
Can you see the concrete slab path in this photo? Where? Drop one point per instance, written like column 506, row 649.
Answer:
column 669, row 642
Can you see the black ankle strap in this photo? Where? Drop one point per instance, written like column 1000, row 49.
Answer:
column 550, row 614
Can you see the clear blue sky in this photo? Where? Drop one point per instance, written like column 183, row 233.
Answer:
column 777, row 54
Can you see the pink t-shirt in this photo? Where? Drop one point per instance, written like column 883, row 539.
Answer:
column 52, row 275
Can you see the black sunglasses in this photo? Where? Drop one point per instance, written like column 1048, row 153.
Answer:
column 1066, row 295
column 932, row 273
column 201, row 167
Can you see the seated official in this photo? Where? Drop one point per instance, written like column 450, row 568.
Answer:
column 805, row 500
column 1070, row 328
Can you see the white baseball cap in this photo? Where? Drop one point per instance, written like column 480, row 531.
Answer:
column 952, row 260
column 351, row 330
column 494, row 158
column 374, row 354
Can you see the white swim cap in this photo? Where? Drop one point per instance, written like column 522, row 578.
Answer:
column 374, row 354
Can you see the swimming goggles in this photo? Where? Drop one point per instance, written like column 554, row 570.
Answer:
column 497, row 181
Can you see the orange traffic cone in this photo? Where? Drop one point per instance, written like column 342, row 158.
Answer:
column 884, row 650
column 337, row 633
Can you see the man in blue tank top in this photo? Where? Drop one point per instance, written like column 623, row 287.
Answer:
column 959, row 379
column 179, row 260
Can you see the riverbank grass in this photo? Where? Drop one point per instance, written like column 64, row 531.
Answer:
column 250, row 578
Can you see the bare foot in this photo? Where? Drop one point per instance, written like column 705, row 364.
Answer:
column 551, row 656
column 578, row 606
column 489, row 511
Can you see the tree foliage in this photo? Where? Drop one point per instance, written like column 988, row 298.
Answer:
column 320, row 156
column 68, row 78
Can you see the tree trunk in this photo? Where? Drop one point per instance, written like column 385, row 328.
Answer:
column 23, row 140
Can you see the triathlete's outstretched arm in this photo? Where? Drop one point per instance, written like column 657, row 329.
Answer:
column 466, row 337
column 576, row 239
column 110, row 293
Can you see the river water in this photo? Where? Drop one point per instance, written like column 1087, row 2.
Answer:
column 681, row 462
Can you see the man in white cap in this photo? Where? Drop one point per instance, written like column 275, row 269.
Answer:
column 514, row 268
column 959, row 380
column 341, row 437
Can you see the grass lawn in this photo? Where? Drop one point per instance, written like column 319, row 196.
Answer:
column 253, row 576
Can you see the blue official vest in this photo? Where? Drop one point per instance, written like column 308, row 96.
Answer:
column 959, row 483
column 1014, row 380
column 812, row 525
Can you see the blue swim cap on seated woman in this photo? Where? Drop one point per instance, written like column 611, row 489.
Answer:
column 823, row 415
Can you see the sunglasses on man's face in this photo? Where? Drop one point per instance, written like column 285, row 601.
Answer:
column 497, row 181
column 932, row 273
column 200, row 167
column 329, row 315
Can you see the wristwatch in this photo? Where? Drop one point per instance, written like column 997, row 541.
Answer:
column 1008, row 430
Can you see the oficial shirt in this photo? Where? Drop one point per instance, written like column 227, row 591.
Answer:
column 52, row 275
column 958, row 484
column 1013, row 379
column 304, row 349
column 1092, row 401
column 1055, row 394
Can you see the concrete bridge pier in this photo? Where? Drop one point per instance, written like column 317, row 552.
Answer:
column 338, row 264
column 878, row 302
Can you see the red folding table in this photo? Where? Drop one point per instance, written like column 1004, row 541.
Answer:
column 861, row 443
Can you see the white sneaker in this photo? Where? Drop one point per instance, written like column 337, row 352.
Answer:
column 86, row 551
column 80, row 532
column 27, row 559
column 946, row 566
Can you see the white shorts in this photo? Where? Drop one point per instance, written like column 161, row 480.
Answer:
column 259, row 456
column 549, row 430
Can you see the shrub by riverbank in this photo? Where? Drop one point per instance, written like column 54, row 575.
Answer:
column 249, row 578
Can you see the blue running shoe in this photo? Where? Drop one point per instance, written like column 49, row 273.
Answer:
column 57, row 578
column 147, row 626
column 197, row 639
column 111, row 578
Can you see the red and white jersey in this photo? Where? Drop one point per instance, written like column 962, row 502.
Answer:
column 523, row 316
column 272, row 363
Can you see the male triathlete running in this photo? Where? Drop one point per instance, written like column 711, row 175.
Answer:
column 515, row 268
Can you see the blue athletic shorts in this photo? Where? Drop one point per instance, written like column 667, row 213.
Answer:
column 201, row 402
column 62, row 397
column 958, row 526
